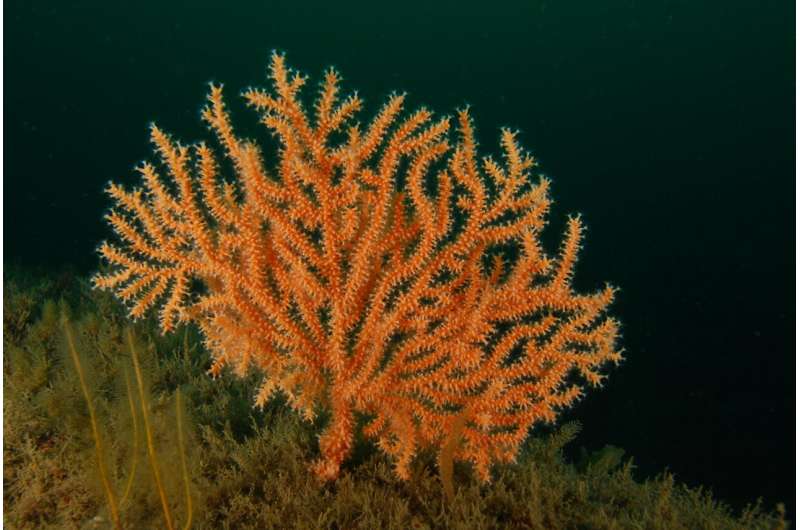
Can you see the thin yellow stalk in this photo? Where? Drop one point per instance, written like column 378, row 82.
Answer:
column 151, row 452
column 132, row 473
column 98, row 444
column 179, row 417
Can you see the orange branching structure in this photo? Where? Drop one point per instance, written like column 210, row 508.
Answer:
column 365, row 275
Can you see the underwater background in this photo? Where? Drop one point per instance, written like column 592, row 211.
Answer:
column 667, row 124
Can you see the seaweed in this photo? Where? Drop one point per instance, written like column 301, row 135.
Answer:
column 226, row 464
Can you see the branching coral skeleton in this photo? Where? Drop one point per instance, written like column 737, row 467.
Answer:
column 364, row 273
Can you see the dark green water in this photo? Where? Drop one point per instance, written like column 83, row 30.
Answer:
column 668, row 124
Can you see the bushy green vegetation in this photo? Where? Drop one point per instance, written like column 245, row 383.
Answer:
column 247, row 467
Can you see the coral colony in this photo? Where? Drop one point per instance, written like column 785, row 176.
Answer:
column 383, row 273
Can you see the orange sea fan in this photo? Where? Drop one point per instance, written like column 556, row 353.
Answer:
column 380, row 269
